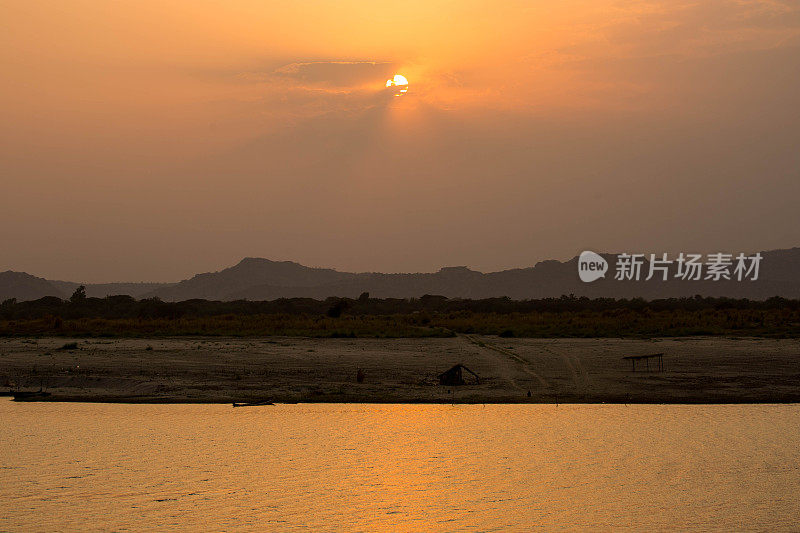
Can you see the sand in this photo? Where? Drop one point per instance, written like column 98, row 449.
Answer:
column 222, row 370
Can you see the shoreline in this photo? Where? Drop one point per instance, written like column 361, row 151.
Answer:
column 699, row 370
column 208, row 401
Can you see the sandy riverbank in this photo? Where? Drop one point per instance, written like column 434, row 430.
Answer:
column 182, row 370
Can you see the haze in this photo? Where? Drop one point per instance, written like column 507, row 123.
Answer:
column 148, row 141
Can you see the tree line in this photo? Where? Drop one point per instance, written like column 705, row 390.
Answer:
column 127, row 307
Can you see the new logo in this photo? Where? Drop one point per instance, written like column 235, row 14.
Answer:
column 591, row 266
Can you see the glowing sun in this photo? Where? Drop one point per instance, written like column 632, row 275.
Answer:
column 400, row 82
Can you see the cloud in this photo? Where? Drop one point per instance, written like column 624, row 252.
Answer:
column 692, row 29
column 335, row 74
column 299, row 90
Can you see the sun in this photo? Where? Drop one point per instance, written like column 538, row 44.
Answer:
column 400, row 82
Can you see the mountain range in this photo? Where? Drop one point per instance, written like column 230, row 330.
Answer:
column 263, row 279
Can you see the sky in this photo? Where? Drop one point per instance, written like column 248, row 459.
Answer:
column 148, row 141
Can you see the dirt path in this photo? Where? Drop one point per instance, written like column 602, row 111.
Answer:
column 522, row 364
column 580, row 376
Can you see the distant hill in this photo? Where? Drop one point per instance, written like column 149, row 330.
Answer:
column 248, row 280
column 23, row 286
column 101, row 290
column 263, row 279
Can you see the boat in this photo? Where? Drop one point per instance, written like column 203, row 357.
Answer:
column 252, row 404
column 30, row 396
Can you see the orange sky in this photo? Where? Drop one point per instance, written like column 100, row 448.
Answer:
column 142, row 141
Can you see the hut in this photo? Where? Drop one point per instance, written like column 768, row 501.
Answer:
column 454, row 376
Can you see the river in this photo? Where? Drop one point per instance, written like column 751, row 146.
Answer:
column 366, row 467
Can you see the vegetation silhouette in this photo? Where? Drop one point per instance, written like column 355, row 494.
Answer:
column 428, row 316
column 79, row 296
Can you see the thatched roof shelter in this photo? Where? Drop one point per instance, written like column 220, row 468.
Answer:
column 454, row 376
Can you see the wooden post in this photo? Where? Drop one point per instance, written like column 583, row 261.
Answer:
column 659, row 361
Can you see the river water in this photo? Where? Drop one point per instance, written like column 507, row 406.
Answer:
column 336, row 467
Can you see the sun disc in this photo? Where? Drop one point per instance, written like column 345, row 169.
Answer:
column 399, row 81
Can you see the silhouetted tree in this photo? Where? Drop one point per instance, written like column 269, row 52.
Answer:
column 79, row 295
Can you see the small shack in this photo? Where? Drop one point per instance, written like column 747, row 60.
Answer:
column 455, row 377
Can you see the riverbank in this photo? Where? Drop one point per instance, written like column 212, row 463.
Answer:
column 510, row 370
